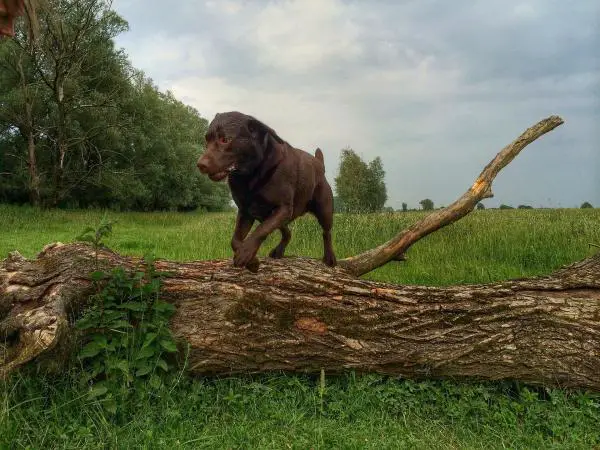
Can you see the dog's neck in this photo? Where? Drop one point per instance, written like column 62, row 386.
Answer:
column 263, row 173
column 268, row 166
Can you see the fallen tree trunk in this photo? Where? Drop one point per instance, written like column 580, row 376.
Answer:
column 301, row 316
column 298, row 315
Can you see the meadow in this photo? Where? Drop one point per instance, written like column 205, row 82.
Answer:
column 293, row 411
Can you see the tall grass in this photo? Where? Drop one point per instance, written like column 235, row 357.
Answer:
column 283, row 411
column 485, row 246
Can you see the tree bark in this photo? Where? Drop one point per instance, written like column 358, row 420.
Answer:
column 299, row 315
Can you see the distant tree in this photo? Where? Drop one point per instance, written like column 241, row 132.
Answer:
column 338, row 204
column 586, row 205
column 388, row 209
column 480, row 206
column 404, row 207
column 360, row 186
column 524, row 207
column 426, row 204
column 506, row 207
column 377, row 192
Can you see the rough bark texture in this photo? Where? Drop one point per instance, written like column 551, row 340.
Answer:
column 299, row 315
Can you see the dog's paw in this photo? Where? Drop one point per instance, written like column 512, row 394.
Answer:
column 329, row 260
column 245, row 254
column 276, row 253
column 253, row 265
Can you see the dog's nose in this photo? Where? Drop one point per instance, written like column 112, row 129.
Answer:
column 202, row 165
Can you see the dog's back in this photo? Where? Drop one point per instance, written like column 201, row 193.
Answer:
column 302, row 172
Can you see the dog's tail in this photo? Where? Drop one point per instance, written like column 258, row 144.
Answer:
column 319, row 155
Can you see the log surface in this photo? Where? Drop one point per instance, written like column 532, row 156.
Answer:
column 298, row 315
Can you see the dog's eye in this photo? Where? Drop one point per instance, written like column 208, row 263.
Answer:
column 223, row 140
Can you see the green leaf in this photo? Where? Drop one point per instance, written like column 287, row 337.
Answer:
column 133, row 306
column 149, row 339
column 101, row 340
column 110, row 405
column 162, row 364
column 89, row 320
column 155, row 381
column 168, row 345
column 145, row 353
column 155, row 285
column 123, row 365
column 97, row 275
column 97, row 391
column 118, row 324
column 88, row 230
column 144, row 370
column 97, row 369
column 161, row 306
column 90, row 350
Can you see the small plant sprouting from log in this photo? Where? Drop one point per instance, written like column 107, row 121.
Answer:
column 125, row 331
column 95, row 235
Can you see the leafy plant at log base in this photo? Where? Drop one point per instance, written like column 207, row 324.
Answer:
column 126, row 335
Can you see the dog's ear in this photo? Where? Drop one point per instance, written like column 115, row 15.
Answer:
column 262, row 132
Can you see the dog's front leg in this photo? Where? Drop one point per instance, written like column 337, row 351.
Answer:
column 247, row 251
column 243, row 225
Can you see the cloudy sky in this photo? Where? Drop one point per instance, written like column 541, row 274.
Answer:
column 435, row 88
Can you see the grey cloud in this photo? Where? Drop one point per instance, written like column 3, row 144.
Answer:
column 492, row 74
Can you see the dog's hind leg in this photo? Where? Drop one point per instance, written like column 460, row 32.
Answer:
column 322, row 208
column 286, row 235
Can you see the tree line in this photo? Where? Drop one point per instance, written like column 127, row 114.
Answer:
column 81, row 127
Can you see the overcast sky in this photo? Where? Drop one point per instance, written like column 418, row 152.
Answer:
column 435, row 88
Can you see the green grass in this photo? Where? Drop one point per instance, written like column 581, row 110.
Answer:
column 283, row 411
column 484, row 246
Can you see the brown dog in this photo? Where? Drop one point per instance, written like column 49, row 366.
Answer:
column 270, row 181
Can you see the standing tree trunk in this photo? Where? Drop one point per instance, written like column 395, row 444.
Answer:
column 28, row 128
column 34, row 178
column 61, row 142
column 298, row 315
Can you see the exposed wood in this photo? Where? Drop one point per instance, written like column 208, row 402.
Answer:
column 482, row 188
column 298, row 315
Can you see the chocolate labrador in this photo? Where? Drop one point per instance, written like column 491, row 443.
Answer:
column 270, row 181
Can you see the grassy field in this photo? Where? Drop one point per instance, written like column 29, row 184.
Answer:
column 280, row 411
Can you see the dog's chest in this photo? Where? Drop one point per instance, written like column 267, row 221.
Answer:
column 251, row 202
column 260, row 210
column 257, row 208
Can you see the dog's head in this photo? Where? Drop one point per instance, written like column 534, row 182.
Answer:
column 235, row 142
